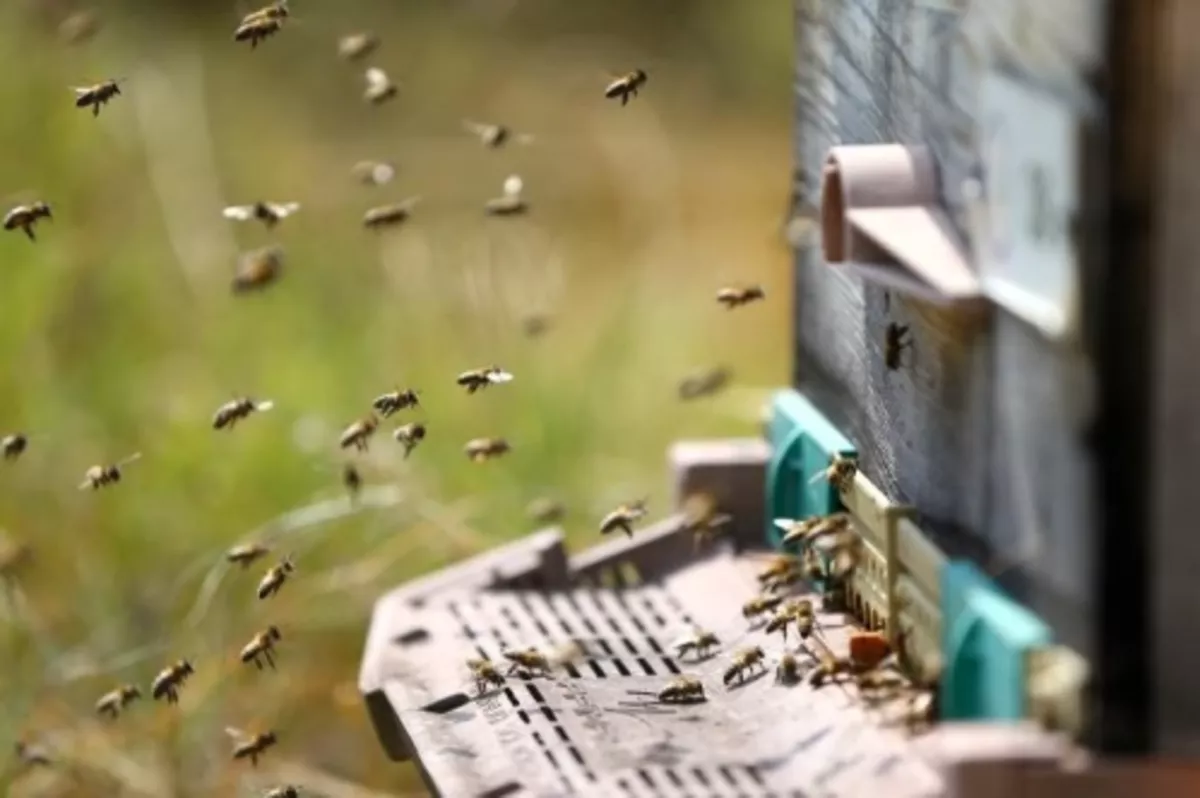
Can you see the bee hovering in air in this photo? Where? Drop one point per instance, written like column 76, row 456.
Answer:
column 13, row 445
column 736, row 296
column 626, row 86
column 389, row 215
column 840, row 472
column 800, row 613
column 269, row 213
column 380, row 87
column 510, row 203
column 535, row 325
column 702, row 518
column 743, row 663
column 246, row 553
column 257, row 269
column 112, row 703
column 623, row 518
column 352, row 480
column 31, row 754
column 699, row 642
column 96, row 95
column 251, row 746
column 683, row 690
column 479, row 450
column 545, row 510
column 168, row 681
column 25, row 218
column 373, row 173
column 359, row 433
column 390, row 403
column 485, row 673
column 495, row 136
column 356, row 46
column 261, row 24
column 99, row 476
column 233, row 411
column 478, row 379
column 273, row 580
column 261, row 647
column 896, row 339
column 409, row 435
column 528, row 662
column 704, row 383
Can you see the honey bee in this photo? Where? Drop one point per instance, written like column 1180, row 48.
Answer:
column 269, row 213
column 510, row 202
column 485, row 672
column 356, row 46
column 273, row 580
column 98, row 476
column 251, row 747
column 96, row 95
column 799, row 612
column 704, row 383
column 495, row 136
column 830, row 666
column 373, row 173
column 895, row 341
column 168, row 681
column 31, row 754
column 683, row 690
column 233, row 411
column 787, row 672
column 257, row 269
column 623, row 518
column 757, row 606
column 246, row 553
column 13, row 446
column 779, row 565
column 111, row 703
column 840, row 472
column 79, row 27
column 409, row 435
column 25, row 217
column 480, row 449
column 261, row 647
column 736, row 296
column 528, row 661
column 545, row 511
column 276, row 10
column 702, row 519
column 359, row 433
column 812, row 529
column 260, row 24
column 351, row 479
column 380, row 87
column 478, row 379
column 389, row 215
column 743, row 662
column 394, row 401
column 626, row 86
column 700, row 642
column 283, row 791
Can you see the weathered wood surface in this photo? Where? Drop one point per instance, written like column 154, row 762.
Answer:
column 983, row 430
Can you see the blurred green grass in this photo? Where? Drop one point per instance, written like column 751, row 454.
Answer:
column 119, row 334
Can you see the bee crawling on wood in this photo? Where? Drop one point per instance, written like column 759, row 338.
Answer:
column 700, row 642
column 703, row 383
column 736, row 296
column 269, row 213
column 168, row 681
column 246, row 553
column 111, row 703
column 13, row 445
column 494, row 136
column 787, row 672
column 757, row 606
column 251, row 747
column 25, row 217
column 261, row 647
column 799, row 612
column 626, row 86
column 233, row 411
column 409, row 435
column 510, row 202
column 485, row 673
column 99, row 476
column 895, row 340
column 478, row 379
column 257, row 269
column 683, row 690
column 528, row 661
column 389, row 215
column 380, row 87
column 359, row 433
column 273, row 580
column 96, row 95
column 356, row 46
column 388, row 404
column 840, row 472
column 479, row 450
column 623, row 518
column 743, row 662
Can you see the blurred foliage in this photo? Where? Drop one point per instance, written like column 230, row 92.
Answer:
column 119, row 333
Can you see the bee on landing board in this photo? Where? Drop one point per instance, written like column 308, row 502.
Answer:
column 25, row 218
column 269, row 213
column 683, row 690
column 699, row 642
column 251, row 746
column 896, row 339
column 359, row 433
column 485, row 673
column 273, row 580
column 528, row 661
column 247, row 553
column 356, row 46
column 623, row 518
column 409, row 435
column 479, row 450
column 383, row 216
column 257, row 269
column 478, row 379
column 13, row 445
column 736, row 296
column 757, row 606
column 510, row 202
column 388, row 404
column 840, row 473
column 168, row 681
column 99, row 476
column 261, row 647
column 744, row 661
column 233, row 411
column 112, row 703
column 495, row 136
column 787, row 672
column 380, row 87
column 96, row 95
column 352, row 480
column 626, row 86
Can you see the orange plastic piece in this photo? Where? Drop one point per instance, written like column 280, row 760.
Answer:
column 867, row 649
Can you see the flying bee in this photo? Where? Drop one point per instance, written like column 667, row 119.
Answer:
column 261, row 647
column 702, row 518
column 480, row 449
column 380, row 87
column 811, row 529
column 394, row 401
column 111, row 703
column 283, row 791
column 274, row 578
column 895, row 340
column 356, row 46
column 79, row 27
column 478, row 379
column 787, row 672
column 683, row 690
column 840, row 472
column 485, row 673
column 31, row 754
column 389, row 215
column 13, row 446
column 168, row 681
column 510, row 202
column 98, row 476
column 251, row 747
column 359, row 433
column 351, row 479
column 626, row 86
column 527, row 661
column 623, row 518
column 257, row 269
column 743, row 662
column 757, row 606
column 25, row 217
column 96, row 95
column 373, row 173
column 699, row 642
column 736, row 296
column 233, row 411
column 495, row 136
column 409, row 435
column 703, row 383
column 269, row 213
column 545, row 510
column 246, row 553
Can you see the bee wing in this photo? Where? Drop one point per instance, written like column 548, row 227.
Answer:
column 377, row 79
column 285, row 208
column 513, row 185
column 499, row 376
column 785, row 524
column 477, row 128
column 236, row 734
column 524, row 138
column 266, row 404
column 239, row 213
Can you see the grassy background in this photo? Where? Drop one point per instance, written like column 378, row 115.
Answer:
column 118, row 333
